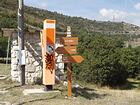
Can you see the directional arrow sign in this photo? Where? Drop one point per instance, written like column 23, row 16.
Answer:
column 66, row 50
column 69, row 40
column 72, row 59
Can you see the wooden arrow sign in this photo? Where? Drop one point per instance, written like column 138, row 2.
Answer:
column 66, row 50
column 69, row 40
column 72, row 59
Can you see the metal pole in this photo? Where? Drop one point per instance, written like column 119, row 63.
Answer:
column 21, row 39
column 8, row 50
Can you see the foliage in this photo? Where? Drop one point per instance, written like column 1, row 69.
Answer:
column 7, row 23
column 130, row 58
column 101, row 43
column 3, row 46
column 102, row 61
column 35, row 16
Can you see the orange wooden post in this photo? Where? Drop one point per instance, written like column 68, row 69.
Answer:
column 48, row 53
column 69, row 78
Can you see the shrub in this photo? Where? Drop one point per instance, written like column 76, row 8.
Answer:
column 102, row 62
column 130, row 58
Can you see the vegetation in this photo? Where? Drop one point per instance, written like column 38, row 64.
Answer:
column 107, row 62
column 34, row 16
column 101, row 63
column 130, row 58
column 3, row 46
column 4, row 69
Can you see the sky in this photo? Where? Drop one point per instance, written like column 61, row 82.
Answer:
column 102, row 10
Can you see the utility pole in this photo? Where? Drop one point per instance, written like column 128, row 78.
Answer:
column 21, row 41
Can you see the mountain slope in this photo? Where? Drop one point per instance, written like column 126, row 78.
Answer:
column 35, row 16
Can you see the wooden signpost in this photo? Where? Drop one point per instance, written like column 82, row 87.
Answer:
column 69, row 41
column 69, row 50
column 72, row 59
column 48, row 37
column 69, row 79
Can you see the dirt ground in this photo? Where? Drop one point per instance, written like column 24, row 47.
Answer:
column 103, row 98
column 81, row 96
column 86, row 94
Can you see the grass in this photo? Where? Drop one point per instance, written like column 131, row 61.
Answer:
column 83, row 95
column 133, row 83
column 4, row 69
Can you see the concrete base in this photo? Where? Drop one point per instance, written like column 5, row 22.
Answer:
column 39, row 91
column 2, row 77
column 5, row 103
column 3, row 92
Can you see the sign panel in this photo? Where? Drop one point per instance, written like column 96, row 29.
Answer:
column 22, row 56
column 69, row 40
column 67, row 50
column 72, row 59
column 49, row 30
column 48, row 52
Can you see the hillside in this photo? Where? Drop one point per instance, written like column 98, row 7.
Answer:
column 106, row 61
column 35, row 16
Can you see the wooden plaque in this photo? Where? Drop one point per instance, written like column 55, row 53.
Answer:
column 72, row 59
column 67, row 50
column 69, row 40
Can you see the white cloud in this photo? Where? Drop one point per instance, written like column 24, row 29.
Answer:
column 86, row 8
column 117, row 15
column 137, row 6
column 111, row 13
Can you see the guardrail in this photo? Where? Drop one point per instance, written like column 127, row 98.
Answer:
column 3, row 60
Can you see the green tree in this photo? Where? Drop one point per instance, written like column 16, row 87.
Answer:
column 102, row 61
column 130, row 58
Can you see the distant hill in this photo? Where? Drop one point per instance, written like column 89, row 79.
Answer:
column 35, row 16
